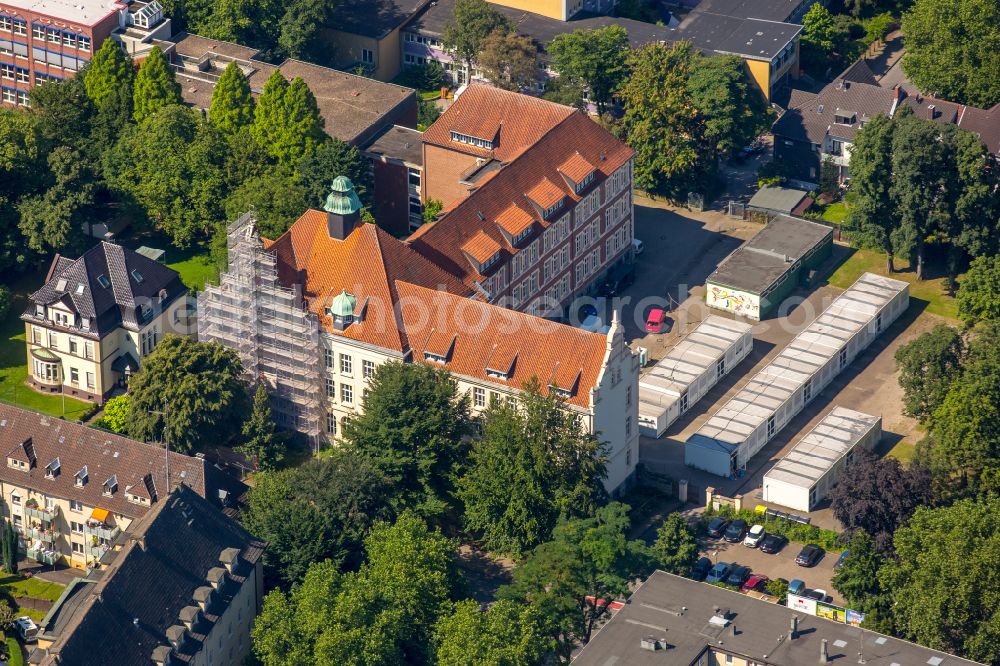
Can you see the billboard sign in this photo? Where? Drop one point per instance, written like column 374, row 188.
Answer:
column 854, row 618
column 804, row 604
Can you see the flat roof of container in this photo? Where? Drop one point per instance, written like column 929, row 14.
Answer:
column 762, row 260
column 820, row 449
column 700, row 350
column 807, row 353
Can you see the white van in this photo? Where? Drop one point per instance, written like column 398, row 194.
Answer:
column 26, row 628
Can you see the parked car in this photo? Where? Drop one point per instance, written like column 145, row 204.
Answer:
column 736, row 531
column 637, row 247
column 809, row 555
column 656, row 321
column 717, row 527
column 772, row 543
column 818, row 595
column 738, row 575
column 701, row 568
column 840, row 560
column 719, row 572
column 796, row 587
column 618, row 281
column 754, row 536
column 26, row 629
column 756, row 583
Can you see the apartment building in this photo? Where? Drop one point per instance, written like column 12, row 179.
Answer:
column 88, row 327
column 182, row 585
column 537, row 196
column 50, row 40
column 369, row 299
column 70, row 490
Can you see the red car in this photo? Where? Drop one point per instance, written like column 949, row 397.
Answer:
column 756, row 582
column 656, row 321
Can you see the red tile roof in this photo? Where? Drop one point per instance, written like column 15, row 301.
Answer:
column 514, row 121
column 481, row 247
column 536, row 172
column 576, row 168
column 546, row 193
column 514, row 220
column 487, row 337
column 365, row 264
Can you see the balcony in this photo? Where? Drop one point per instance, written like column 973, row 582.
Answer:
column 43, row 556
column 101, row 532
column 40, row 534
column 40, row 513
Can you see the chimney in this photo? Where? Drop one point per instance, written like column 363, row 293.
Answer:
column 794, row 633
column 824, row 655
column 732, row 630
column 343, row 209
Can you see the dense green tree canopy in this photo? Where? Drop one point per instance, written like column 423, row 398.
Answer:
column 593, row 60
column 277, row 200
column 188, row 393
column 110, row 70
column 412, row 430
column 873, row 215
column 473, row 21
column 676, row 547
column 509, row 61
column 927, row 367
column 505, row 634
column 51, row 221
column 733, row 110
column 953, row 50
column 260, row 442
column 857, row 581
column 115, row 415
column 155, row 86
column 286, row 121
column 978, row 294
column 317, row 170
column 232, row 105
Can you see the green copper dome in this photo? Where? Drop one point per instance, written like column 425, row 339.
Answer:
column 343, row 304
column 342, row 200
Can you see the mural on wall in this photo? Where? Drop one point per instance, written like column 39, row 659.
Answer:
column 734, row 301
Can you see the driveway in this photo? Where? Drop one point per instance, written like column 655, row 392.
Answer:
column 780, row 565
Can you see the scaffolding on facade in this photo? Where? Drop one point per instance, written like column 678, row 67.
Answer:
column 269, row 326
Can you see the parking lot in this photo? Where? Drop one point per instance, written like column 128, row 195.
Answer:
column 779, row 565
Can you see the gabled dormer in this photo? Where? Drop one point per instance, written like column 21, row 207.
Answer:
column 81, row 477
column 578, row 172
column 515, row 224
column 482, row 252
column 547, row 197
column 501, row 363
column 110, row 486
column 22, row 456
column 53, row 469
column 439, row 346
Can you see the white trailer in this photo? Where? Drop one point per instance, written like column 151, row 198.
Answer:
column 689, row 370
column 776, row 394
column 806, row 474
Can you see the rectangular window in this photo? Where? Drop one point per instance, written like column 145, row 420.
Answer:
column 37, row 32
column 75, row 505
column 770, row 426
column 54, row 36
column 88, row 350
column 78, row 548
column 367, row 368
column 479, row 397
column 74, row 375
column 7, row 72
column 90, row 380
column 9, row 96
column 328, row 355
column 73, row 346
column 76, row 527
column 5, row 23
column 367, row 56
column 329, row 388
column 69, row 39
column 83, row 43
column 346, row 365
column 331, row 424
column 53, row 340
column 20, row 27
column 346, row 394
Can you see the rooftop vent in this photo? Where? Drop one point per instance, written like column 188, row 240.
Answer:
column 652, row 643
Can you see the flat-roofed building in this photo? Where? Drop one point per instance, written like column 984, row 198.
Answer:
column 756, row 278
column 689, row 370
column 805, row 475
column 725, row 444
column 70, row 489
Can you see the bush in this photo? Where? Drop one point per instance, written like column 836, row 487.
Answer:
column 427, row 113
column 4, row 302
column 826, row 539
column 423, row 77
column 777, row 588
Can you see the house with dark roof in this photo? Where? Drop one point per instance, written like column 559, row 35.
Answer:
column 88, row 327
column 70, row 489
column 181, row 585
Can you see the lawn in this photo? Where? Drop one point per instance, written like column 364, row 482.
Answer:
column 194, row 263
column 14, row 362
column 35, row 588
column 835, row 213
column 934, row 291
column 903, row 451
column 14, row 650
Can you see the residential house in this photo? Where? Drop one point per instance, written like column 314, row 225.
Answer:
column 365, row 34
column 182, row 585
column 70, row 490
column 88, row 327
column 316, row 311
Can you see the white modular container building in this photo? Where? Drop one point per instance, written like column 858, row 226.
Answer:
column 772, row 397
column 807, row 473
column 706, row 355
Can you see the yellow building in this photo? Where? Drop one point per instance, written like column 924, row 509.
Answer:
column 95, row 317
column 70, row 490
column 365, row 34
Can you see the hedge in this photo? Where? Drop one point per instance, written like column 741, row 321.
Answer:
column 828, row 540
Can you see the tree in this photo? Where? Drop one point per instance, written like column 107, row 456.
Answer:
column 189, row 392
column 878, row 27
column 413, row 431
column 9, row 540
column 561, row 90
column 427, row 113
column 504, row 634
column 592, row 59
column 4, row 301
column 277, row 200
column 318, row 511
column 676, row 547
column 828, row 182
column 110, row 70
column 300, row 29
column 261, row 443
column 873, row 215
column 155, row 86
column 857, row 581
column 383, row 614
column 570, row 579
column 115, row 416
column 52, row 220
column 936, row 583
column 232, row 105
column 62, row 112
column 533, row 464
column 660, row 120
column 287, row 122
column 316, row 170
column 637, row 10
column 432, row 209
column 978, row 294
column 878, row 495
column 927, row 367
column 952, row 50
column 733, row 111
column 972, row 194
column 473, row 21
column 509, row 61
column 820, row 35
column 7, row 616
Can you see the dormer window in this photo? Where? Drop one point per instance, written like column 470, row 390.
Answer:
column 551, row 210
column 80, row 480
column 85, row 323
column 104, row 281
column 472, row 141
column 843, row 118
column 39, row 310
column 52, row 469
column 436, row 358
column 587, row 180
column 14, row 463
column 521, row 236
column 491, row 261
column 145, row 312
column 110, row 486
column 137, row 276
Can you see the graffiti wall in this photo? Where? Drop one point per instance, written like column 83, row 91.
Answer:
column 731, row 300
